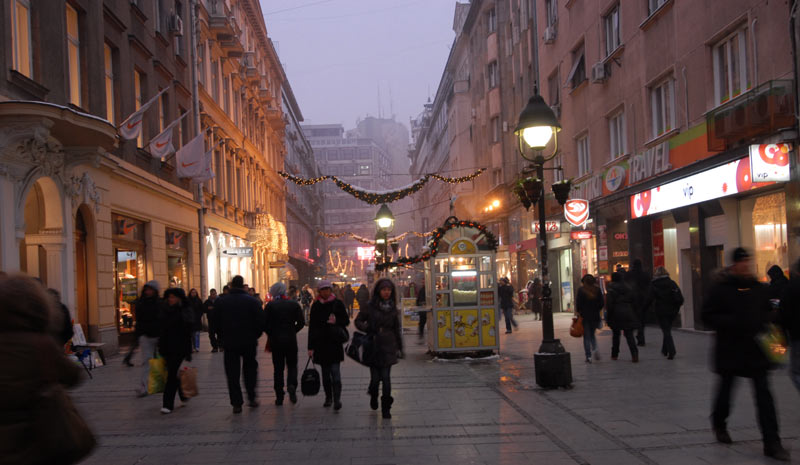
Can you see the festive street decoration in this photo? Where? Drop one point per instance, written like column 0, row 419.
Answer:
column 366, row 241
column 377, row 197
column 433, row 247
column 271, row 234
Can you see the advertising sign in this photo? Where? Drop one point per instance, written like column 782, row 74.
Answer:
column 365, row 253
column 658, row 243
column 770, row 162
column 551, row 226
column 576, row 211
column 580, row 235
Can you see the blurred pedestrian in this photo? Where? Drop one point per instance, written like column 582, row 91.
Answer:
column 622, row 316
column 175, row 342
column 338, row 292
column 213, row 325
column 666, row 298
column 284, row 319
column 251, row 291
column 196, row 305
column 306, row 298
column 777, row 282
column 323, row 344
column 423, row 315
column 292, row 293
column 381, row 319
column 241, row 323
column 65, row 330
column 737, row 308
column 588, row 304
column 790, row 321
column 349, row 299
column 505, row 293
column 535, row 297
column 148, row 309
column 362, row 296
column 639, row 282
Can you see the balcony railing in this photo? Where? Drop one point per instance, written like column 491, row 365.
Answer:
column 759, row 112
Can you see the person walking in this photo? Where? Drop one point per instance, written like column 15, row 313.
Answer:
column 213, row 326
column 349, row 299
column 666, row 298
column 293, row 294
column 175, row 342
column 284, row 319
column 535, row 297
column 505, row 293
column 639, row 282
column 148, row 309
column 338, row 292
column 306, row 298
column 588, row 304
column 323, row 344
column 381, row 319
column 737, row 308
column 790, row 321
column 196, row 305
column 622, row 315
column 241, row 322
column 423, row 315
column 362, row 296
column 777, row 282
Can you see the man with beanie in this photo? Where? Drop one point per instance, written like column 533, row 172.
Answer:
column 284, row 320
column 241, row 323
column 147, row 308
column 738, row 307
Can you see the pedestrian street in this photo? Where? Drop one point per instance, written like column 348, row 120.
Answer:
column 454, row 412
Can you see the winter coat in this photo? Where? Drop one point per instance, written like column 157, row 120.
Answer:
column 177, row 323
column 738, row 309
column 639, row 282
column 535, row 297
column 790, row 309
column 306, row 298
column 320, row 337
column 421, row 297
column 284, row 319
column 589, row 307
column 506, row 295
column 362, row 296
column 665, row 296
column 197, row 310
column 388, row 330
column 349, row 297
column 148, row 311
column 778, row 286
column 239, row 318
column 208, row 309
column 620, row 305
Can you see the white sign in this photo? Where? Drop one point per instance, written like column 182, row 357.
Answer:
column 650, row 163
column 550, row 226
column 238, row 252
column 576, row 211
column 770, row 162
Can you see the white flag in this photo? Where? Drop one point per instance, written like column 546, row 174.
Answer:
column 132, row 127
column 208, row 172
column 161, row 145
column 190, row 158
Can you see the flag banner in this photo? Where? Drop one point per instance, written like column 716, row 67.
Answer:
column 189, row 158
column 132, row 126
column 208, row 172
column 161, row 145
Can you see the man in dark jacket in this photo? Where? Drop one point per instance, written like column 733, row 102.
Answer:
column 790, row 321
column 738, row 307
column 349, row 299
column 666, row 298
column 505, row 293
column 284, row 320
column 148, row 308
column 622, row 315
column 639, row 283
column 362, row 297
column 213, row 326
column 241, row 323
column 777, row 282
column 423, row 316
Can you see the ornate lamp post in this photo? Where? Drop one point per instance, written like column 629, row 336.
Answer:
column 537, row 125
column 385, row 223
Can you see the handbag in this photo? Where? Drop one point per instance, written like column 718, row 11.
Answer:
column 339, row 334
column 772, row 342
column 309, row 381
column 576, row 329
column 362, row 348
column 188, row 379
column 157, row 378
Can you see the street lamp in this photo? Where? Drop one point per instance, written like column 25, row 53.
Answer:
column 384, row 219
column 537, row 125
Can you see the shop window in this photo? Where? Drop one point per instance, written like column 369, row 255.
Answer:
column 129, row 268
column 177, row 253
column 763, row 222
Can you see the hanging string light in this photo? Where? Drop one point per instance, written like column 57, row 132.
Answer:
column 366, row 241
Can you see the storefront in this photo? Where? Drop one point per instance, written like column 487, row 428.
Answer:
column 130, row 265
column 226, row 257
column 177, row 256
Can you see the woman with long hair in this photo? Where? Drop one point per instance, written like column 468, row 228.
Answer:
column 196, row 304
column 588, row 304
column 381, row 319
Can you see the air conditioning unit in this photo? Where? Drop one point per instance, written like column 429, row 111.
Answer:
column 599, row 73
column 557, row 110
column 176, row 25
column 549, row 34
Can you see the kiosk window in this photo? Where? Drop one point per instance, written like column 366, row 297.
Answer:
column 442, row 266
column 487, row 282
column 486, row 264
column 465, row 288
column 442, row 283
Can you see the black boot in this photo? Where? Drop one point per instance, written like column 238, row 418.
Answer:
column 775, row 450
column 279, row 397
column 337, row 396
column 386, row 406
column 328, row 396
column 373, row 399
column 292, row 394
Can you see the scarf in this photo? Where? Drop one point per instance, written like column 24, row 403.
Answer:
column 385, row 305
column 328, row 300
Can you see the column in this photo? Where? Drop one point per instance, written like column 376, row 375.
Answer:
column 9, row 239
column 54, row 259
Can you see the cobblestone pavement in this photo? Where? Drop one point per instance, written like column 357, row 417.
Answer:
column 464, row 412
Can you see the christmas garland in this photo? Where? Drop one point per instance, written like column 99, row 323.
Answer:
column 366, row 241
column 438, row 233
column 377, row 197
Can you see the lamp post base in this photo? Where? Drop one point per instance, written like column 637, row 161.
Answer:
column 552, row 365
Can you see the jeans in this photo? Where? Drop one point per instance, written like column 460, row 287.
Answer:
column 423, row 320
column 147, row 350
column 173, row 382
column 508, row 313
column 668, row 345
column 380, row 375
column 249, row 367
column 284, row 357
column 615, row 333
column 767, row 418
column 795, row 363
column 589, row 338
column 197, row 340
column 331, row 379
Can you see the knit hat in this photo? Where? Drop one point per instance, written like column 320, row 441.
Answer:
column 323, row 284
column 385, row 283
column 740, row 254
column 277, row 289
column 154, row 285
column 176, row 291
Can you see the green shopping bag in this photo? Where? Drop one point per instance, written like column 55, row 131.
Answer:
column 773, row 343
column 158, row 375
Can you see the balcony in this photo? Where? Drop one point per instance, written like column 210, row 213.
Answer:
column 760, row 112
column 251, row 71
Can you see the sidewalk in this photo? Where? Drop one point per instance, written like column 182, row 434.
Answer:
column 478, row 412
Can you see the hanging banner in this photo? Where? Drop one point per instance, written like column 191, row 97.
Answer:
column 576, row 211
column 658, row 243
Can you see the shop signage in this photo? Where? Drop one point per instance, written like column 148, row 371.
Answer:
column 658, row 243
column 728, row 179
column 615, row 177
column 621, row 236
column 238, row 252
column 590, row 189
column 602, row 253
column 580, row 235
column 576, row 211
column 524, row 245
column 550, row 226
column 620, row 253
column 653, row 161
column 365, row 253
column 770, row 162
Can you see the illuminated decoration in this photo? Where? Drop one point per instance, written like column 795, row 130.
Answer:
column 366, row 253
column 576, row 211
column 339, row 265
column 271, row 234
column 770, row 162
column 377, row 197
column 438, row 234
column 366, row 241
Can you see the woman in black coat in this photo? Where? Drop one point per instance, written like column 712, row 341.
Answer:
column 622, row 316
column 588, row 304
column 175, row 343
column 324, row 340
column 381, row 319
column 196, row 304
column 666, row 298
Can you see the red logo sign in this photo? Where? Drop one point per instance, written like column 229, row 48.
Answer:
column 580, row 235
column 576, row 211
column 621, row 236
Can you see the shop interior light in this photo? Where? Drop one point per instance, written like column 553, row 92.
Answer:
column 457, row 274
column 496, row 203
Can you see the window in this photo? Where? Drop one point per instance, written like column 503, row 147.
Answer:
column 558, row 174
column 74, row 57
column 491, row 21
column 655, row 5
column 578, row 72
column 157, row 15
column 551, row 12
column 584, row 161
column 493, row 75
column 730, row 67
column 22, row 48
column 178, row 39
column 363, row 169
column 553, row 89
column 495, row 130
column 616, row 129
column 183, row 128
column 611, row 24
column 226, row 95
column 137, row 95
column 497, row 176
column 162, row 111
column 201, row 63
column 108, row 55
column 661, row 102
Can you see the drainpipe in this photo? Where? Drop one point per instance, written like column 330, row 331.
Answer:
column 199, row 195
column 755, row 52
column 686, row 95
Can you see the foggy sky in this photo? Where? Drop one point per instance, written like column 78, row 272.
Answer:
column 338, row 52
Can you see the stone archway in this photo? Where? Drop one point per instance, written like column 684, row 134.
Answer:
column 86, row 279
column 44, row 235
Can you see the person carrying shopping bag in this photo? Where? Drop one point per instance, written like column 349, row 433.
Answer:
column 324, row 343
column 588, row 304
column 175, row 343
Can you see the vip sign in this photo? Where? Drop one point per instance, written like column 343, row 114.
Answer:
column 576, row 211
column 770, row 162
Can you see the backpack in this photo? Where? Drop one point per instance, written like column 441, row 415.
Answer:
column 309, row 381
column 675, row 295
